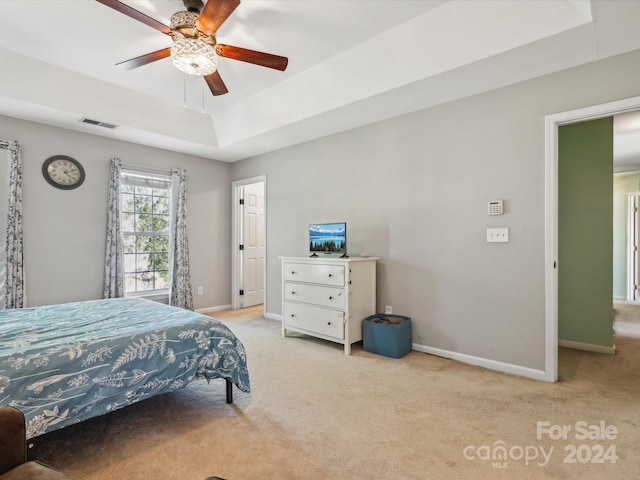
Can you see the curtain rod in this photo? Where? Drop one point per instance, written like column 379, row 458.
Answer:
column 144, row 168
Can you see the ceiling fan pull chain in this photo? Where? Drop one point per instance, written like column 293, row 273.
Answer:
column 185, row 91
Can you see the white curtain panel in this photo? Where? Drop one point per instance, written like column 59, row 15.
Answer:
column 5, row 166
column 12, row 286
column 180, row 277
column 114, row 254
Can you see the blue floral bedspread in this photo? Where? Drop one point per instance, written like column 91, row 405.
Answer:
column 62, row 364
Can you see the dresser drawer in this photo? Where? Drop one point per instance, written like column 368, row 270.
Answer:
column 314, row 273
column 331, row 297
column 315, row 320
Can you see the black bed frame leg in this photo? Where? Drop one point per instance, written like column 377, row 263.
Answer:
column 31, row 451
column 229, row 391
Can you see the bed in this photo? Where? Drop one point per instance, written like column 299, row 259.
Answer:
column 62, row 364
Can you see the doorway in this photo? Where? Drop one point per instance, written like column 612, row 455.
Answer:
column 248, row 276
column 633, row 244
column 552, row 124
column 585, row 234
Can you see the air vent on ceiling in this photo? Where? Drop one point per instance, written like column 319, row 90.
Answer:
column 98, row 123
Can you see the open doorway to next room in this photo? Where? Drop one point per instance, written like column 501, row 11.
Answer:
column 626, row 224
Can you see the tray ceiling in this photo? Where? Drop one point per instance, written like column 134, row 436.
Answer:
column 351, row 62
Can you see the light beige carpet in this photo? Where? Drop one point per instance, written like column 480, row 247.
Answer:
column 314, row 413
column 627, row 318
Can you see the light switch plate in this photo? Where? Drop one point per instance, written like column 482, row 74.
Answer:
column 498, row 235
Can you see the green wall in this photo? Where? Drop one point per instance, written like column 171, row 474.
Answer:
column 585, row 232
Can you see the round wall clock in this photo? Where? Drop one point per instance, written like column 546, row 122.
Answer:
column 63, row 172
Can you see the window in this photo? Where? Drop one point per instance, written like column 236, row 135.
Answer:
column 145, row 208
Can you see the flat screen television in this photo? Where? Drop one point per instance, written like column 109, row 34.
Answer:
column 328, row 238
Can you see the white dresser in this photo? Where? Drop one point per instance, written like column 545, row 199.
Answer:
column 328, row 297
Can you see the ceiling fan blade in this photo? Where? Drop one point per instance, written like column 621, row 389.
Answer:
column 216, row 85
column 135, row 14
column 251, row 56
column 144, row 59
column 214, row 13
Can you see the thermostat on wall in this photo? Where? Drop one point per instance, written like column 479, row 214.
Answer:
column 496, row 207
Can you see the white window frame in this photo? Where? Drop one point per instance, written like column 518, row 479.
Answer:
column 127, row 174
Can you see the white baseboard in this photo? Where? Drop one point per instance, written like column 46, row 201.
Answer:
column 589, row 347
column 469, row 359
column 213, row 309
column 484, row 362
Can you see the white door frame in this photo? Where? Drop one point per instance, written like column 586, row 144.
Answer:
column 632, row 241
column 236, row 231
column 552, row 122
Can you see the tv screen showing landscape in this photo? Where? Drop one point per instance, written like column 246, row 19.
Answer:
column 328, row 238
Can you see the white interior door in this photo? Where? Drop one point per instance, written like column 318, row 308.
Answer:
column 633, row 255
column 253, row 244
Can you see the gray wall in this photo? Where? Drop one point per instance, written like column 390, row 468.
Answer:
column 65, row 230
column 414, row 191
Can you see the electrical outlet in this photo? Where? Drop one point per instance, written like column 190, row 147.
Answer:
column 199, row 290
column 388, row 309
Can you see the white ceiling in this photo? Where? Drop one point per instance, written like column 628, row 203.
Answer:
column 351, row 62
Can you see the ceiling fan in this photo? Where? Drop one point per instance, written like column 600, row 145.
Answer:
column 195, row 48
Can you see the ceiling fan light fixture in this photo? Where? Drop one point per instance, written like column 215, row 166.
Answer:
column 184, row 22
column 193, row 56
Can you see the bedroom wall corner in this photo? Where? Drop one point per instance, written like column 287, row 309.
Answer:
column 65, row 230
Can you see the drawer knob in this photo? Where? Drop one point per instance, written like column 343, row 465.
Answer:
column 330, row 275
column 328, row 323
column 293, row 293
column 293, row 272
column 330, row 298
column 292, row 315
